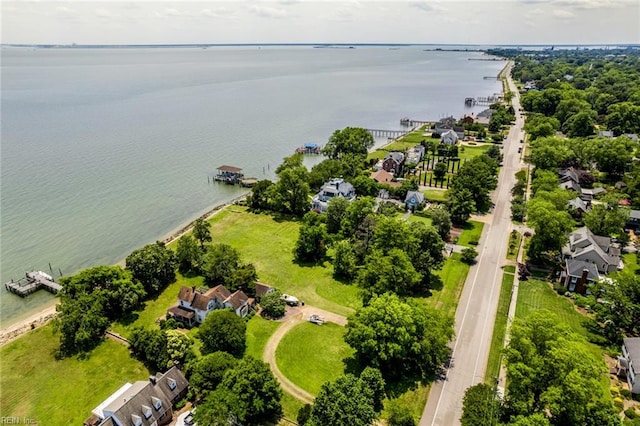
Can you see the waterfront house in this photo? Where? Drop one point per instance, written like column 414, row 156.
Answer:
column 393, row 163
column 449, row 138
column 262, row 289
column 414, row 200
column 578, row 275
column 584, row 245
column 334, row 188
column 629, row 363
column 382, row 176
column 415, row 154
column 194, row 305
column 143, row 403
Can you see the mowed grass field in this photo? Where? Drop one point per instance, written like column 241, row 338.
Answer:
column 499, row 328
column 60, row 392
column 311, row 354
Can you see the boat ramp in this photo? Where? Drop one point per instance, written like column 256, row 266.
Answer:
column 32, row 282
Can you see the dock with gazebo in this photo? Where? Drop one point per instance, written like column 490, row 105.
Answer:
column 229, row 174
column 309, row 148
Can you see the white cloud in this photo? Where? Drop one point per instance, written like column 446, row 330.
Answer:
column 563, row 14
column 268, row 12
column 106, row 14
column 428, row 6
column 219, row 12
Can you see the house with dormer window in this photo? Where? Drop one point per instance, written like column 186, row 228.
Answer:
column 143, row 403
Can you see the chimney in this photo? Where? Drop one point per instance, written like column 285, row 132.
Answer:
column 585, row 274
column 152, row 379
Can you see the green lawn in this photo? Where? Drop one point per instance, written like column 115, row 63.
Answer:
column 453, row 274
column 258, row 332
column 310, row 355
column 435, row 195
column 499, row 328
column 414, row 218
column 630, row 262
column 471, row 232
column 470, row 152
column 267, row 242
column 290, row 408
column 37, row 386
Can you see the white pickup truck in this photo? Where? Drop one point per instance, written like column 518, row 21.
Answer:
column 290, row 300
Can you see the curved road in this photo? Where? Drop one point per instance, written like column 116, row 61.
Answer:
column 295, row 317
column 478, row 304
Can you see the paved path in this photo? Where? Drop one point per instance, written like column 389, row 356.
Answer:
column 294, row 317
column 478, row 304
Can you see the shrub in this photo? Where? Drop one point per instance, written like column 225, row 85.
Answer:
column 618, row 402
column 469, row 255
column 630, row 413
column 626, row 393
column 614, row 390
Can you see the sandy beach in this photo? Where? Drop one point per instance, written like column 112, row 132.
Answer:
column 11, row 332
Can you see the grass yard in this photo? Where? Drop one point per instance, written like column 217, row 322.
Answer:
column 471, row 232
column 630, row 263
column 310, row 355
column 415, row 218
column 156, row 308
column 290, row 408
column 37, row 386
column 470, row 152
column 268, row 242
column 435, row 195
column 453, row 275
column 499, row 328
column 258, row 332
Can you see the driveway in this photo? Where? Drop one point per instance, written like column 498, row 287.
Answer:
column 293, row 317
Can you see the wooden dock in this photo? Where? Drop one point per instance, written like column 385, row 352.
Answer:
column 410, row 122
column 387, row 133
column 486, row 100
column 32, row 282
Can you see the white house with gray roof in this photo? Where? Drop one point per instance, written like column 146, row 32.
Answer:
column 332, row 189
column 586, row 246
column 630, row 362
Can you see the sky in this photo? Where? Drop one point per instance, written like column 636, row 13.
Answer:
column 319, row 21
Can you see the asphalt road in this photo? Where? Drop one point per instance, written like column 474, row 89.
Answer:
column 478, row 303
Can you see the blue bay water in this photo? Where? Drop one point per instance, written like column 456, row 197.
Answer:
column 105, row 150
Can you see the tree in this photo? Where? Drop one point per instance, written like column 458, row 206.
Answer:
column 293, row 161
column 392, row 272
column 461, row 205
column 581, row 124
column 325, row 171
column 259, row 198
column 607, row 218
column 480, row 406
column 550, row 224
column 551, row 153
column 290, row 194
column 89, row 301
column 469, row 255
column 223, row 330
column 311, row 245
column 426, row 251
column 249, row 394
column 304, row 413
column 344, row 260
column 399, row 337
column 206, row 373
column 479, row 177
column 551, row 370
column 179, row 348
column 336, row 211
column 613, row 155
column 345, row 402
column 440, row 171
column 201, row 232
column 350, row 140
column 273, row 305
column 153, row 266
column 220, row 263
column 365, row 186
column 160, row 349
column 188, row 254
column 372, row 380
column 622, row 306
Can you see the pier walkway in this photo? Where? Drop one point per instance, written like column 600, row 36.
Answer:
column 387, row 133
column 32, row 282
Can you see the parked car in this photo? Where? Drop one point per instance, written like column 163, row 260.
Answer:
column 290, row 300
column 316, row 319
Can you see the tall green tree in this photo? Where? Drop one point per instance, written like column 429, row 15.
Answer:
column 290, row 194
column 154, row 266
column 89, row 301
column 201, row 232
column 248, row 395
column 350, row 140
column 336, row 211
column 311, row 245
column 260, row 193
column 223, row 330
column 480, row 406
column 344, row 260
column 206, row 373
column 607, row 218
column 188, row 254
column 399, row 337
column 441, row 220
column 391, row 272
column 347, row 401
